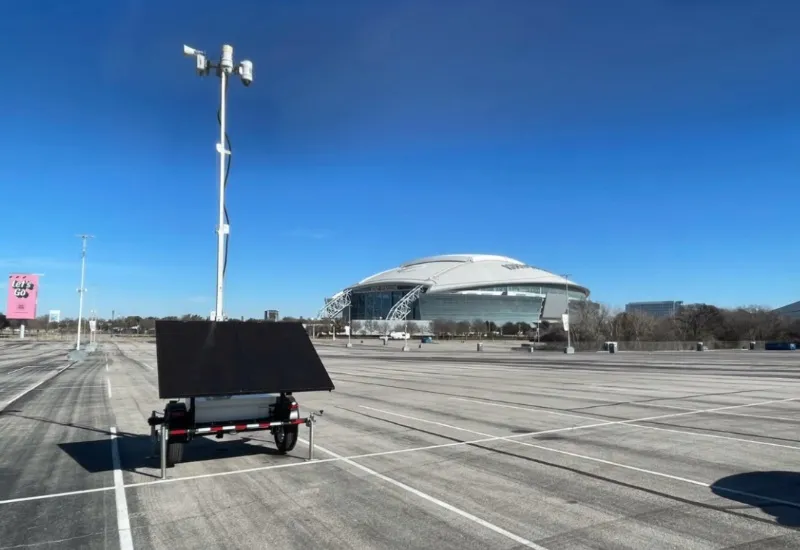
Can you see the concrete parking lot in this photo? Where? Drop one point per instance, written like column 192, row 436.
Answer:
column 446, row 449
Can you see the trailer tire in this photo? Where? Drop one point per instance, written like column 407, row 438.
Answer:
column 174, row 453
column 285, row 438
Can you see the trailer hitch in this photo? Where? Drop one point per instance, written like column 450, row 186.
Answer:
column 312, row 418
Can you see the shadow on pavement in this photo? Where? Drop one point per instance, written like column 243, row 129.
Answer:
column 748, row 487
column 138, row 452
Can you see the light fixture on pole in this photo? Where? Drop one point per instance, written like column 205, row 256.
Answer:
column 82, row 289
column 224, row 68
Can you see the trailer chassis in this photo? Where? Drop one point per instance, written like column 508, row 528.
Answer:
column 184, row 429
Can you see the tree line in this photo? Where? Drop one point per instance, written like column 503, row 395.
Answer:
column 128, row 324
column 694, row 322
column 131, row 323
column 590, row 324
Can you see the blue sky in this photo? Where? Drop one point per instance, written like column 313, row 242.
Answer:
column 649, row 148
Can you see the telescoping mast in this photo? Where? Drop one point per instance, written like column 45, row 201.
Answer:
column 223, row 376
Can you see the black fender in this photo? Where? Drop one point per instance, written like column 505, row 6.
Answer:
column 178, row 417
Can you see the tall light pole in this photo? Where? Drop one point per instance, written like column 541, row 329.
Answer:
column 82, row 289
column 349, row 326
column 224, row 68
column 566, row 313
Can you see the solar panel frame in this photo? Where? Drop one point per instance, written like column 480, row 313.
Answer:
column 209, row 358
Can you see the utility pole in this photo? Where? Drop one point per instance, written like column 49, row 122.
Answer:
column 82, row 289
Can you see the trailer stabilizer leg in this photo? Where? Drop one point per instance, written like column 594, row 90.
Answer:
column 153, row 432
column 311, row 441
column 163, row 453
column 312, row 418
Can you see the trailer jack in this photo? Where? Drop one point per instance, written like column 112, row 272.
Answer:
column 312, row 418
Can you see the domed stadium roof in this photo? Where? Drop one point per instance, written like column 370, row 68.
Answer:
column 454, row 272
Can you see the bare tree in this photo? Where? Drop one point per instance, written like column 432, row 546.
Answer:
column 588, row 322
column 356, row 327
column 442, row 327
column 462, row 328
column 148, row 324
column 636, row 326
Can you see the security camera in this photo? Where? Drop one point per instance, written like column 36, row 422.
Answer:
column 226, row 61
column 246, row 72
column 202, row 64
column 189, row 51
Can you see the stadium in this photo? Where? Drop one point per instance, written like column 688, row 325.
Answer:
column 457, row 287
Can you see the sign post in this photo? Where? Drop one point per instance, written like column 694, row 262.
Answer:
column 23, row 295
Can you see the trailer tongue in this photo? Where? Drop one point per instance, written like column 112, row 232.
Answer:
column 230, row 377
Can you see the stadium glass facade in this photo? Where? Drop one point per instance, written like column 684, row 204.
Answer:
column 499, row 304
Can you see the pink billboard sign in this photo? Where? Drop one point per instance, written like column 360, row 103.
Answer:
column 23, row 292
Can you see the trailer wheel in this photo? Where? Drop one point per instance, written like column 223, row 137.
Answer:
column 285, row 438
column 174, row 453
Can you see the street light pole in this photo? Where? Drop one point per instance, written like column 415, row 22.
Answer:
column 82, row 289
column 224, row 68
column 566, row 294
column 349, row 326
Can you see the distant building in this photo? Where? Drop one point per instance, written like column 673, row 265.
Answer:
column 666, row 308
column 458, row 287
column 791, row 310
column 271, row 315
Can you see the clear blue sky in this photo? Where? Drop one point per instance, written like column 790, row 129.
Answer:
column 649, row 148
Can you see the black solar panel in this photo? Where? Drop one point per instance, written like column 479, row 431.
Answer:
column 205, row 358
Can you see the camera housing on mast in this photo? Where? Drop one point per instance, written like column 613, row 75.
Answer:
column 226, row 64
column 202, row 65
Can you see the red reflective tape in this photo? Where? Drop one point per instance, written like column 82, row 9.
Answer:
column 293, row 406
column 240, row 427
column 298, row 421
column 215, row 428
column 178, row 432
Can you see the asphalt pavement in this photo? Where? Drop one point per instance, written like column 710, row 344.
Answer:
column 421, row 449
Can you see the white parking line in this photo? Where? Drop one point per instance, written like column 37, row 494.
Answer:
column 352, row 457
column 123, row 520
column 56, row 495
column 761, row 416
column 482, row 522
column 633, row 422
column 108, row 382
column 286, row 465
column 146, row 365
column 646, row 419
column 70, row 387
column 36, row 385
column 19, row 369
column 513, row 439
